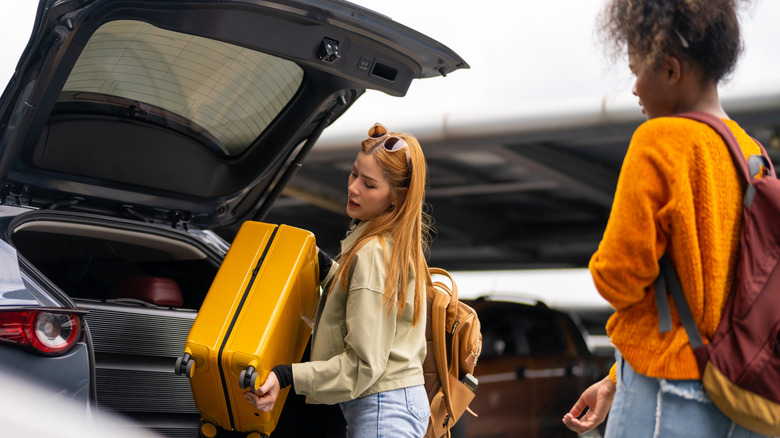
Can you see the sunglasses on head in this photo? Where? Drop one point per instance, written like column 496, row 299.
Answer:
column 391, row 143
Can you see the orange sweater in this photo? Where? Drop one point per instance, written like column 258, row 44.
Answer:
column 679, row 192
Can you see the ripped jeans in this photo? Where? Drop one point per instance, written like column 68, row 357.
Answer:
column 647, row 407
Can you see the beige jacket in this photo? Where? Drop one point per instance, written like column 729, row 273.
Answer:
column 357, row 347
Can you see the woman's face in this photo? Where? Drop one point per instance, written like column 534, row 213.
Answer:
column 651, row 87
column 369, row 192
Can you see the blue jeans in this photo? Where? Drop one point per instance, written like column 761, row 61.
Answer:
column 660, row 408
column 398, row 413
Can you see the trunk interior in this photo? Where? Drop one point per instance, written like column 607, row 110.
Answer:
column 137, row 331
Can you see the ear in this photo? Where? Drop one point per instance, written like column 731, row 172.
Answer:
column 673, row 68
column 399, row 195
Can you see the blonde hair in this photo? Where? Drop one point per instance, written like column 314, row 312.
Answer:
column 406, row 221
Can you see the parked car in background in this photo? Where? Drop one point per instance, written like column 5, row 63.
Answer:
column 535, row 363
column 131, row 132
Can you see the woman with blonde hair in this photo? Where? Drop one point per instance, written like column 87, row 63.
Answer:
column 368, row 343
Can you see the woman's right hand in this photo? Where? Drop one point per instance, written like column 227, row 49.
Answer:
column 264, row 398
column 597, row 399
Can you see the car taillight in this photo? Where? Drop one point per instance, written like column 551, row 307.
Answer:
column 46, row 331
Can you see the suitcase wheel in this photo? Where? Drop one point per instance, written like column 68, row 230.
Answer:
column 184, row 365
column 207, row 430
column 249, row 379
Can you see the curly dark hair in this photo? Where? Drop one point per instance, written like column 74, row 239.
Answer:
column 703, row 32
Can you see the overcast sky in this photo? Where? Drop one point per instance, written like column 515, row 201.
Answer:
column 522, row 53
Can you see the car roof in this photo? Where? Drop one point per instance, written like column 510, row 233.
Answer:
column 192, row 112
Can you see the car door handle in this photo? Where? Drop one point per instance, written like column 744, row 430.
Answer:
column 568, row 371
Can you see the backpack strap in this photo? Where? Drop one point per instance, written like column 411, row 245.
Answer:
column 452, row 291
column 750, row 168
column 438, row 318
column 664, row 316
column 443, row 320
column 661, row 303
column 717, row 124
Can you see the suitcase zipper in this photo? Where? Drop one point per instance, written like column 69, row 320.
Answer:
column 233, row 323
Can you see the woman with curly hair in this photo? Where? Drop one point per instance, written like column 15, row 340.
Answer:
column 678, row 193
column 368, row 343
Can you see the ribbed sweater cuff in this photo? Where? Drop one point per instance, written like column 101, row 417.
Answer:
column 613, row 374
column 283, row 375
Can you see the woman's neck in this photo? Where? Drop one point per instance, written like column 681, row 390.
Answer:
column 702, row 97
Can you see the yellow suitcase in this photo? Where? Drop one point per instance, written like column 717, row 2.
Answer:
column 256, row 315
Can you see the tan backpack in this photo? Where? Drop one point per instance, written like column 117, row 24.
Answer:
column 454, row 343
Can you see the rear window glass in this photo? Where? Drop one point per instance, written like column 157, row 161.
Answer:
column 225, row 93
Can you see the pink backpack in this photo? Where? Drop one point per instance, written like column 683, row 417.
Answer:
column 741, row 366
